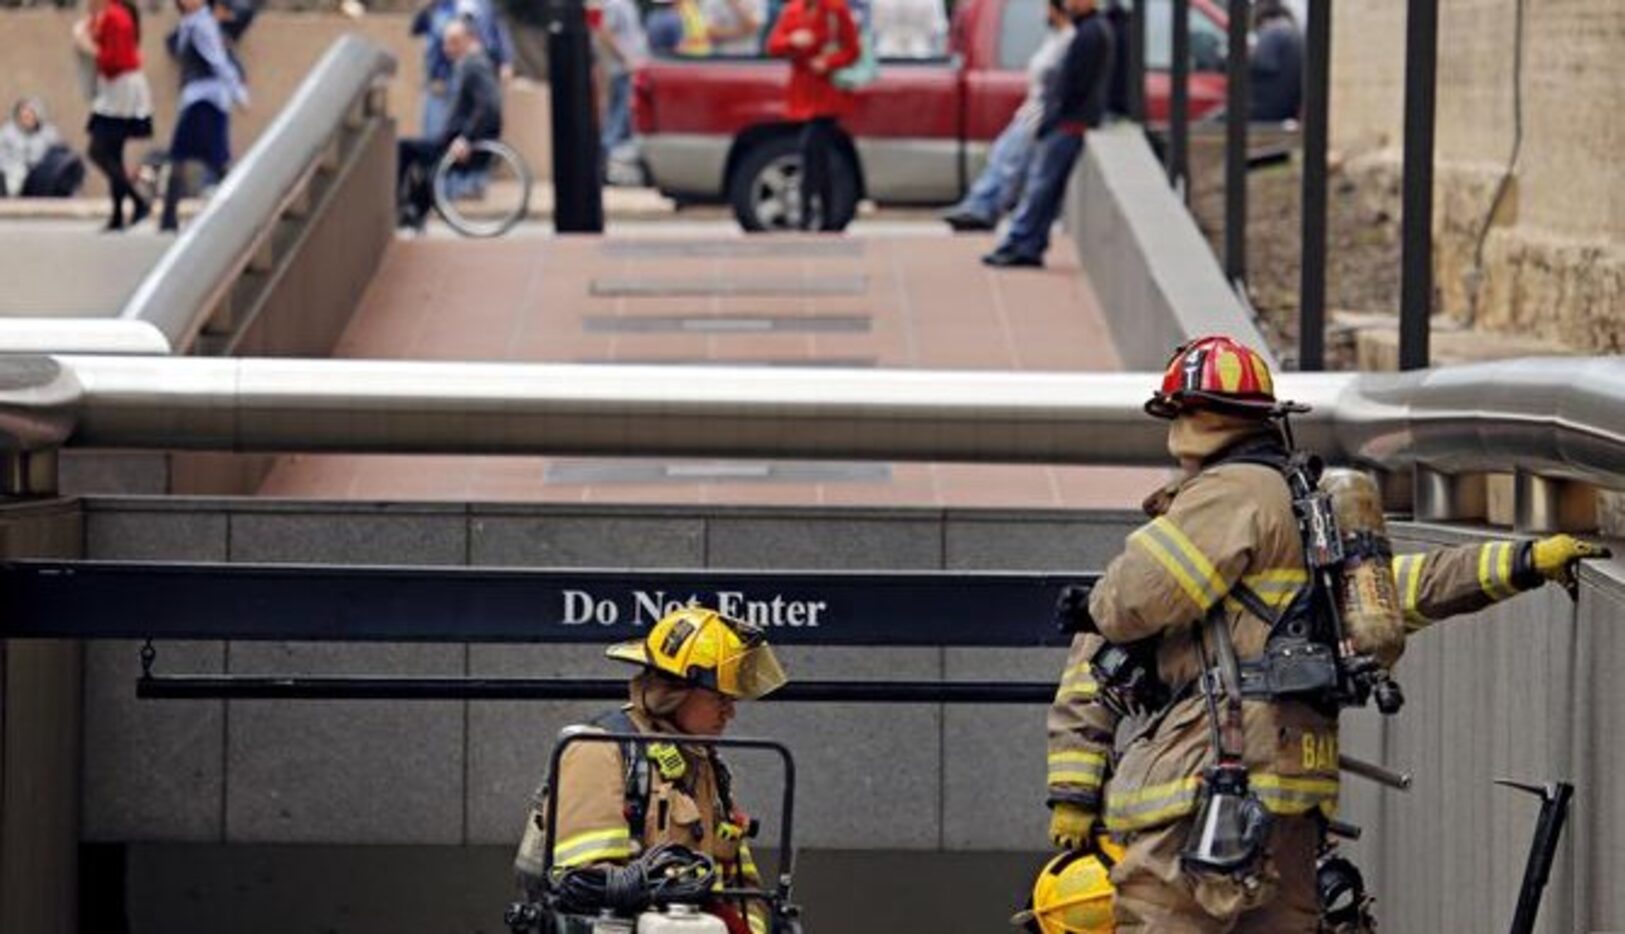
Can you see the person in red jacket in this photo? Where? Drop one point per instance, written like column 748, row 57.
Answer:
column 819, row 38
column 122, row 109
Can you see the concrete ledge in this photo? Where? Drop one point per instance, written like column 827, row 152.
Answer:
column 1157, row 281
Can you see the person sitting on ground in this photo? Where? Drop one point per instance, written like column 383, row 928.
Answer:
column 32, row 157
column 476, row 115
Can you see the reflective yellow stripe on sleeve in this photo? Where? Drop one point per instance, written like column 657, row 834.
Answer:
column 1408, row 577
column 1495, row 570
column 1077, row 767
column 1183, row 561
column 1078, row 681
column 747, row 865
column 1151, row 805
column 594, row 846
column 758, row 924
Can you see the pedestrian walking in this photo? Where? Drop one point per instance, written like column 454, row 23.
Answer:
column 998, row 187
column 121, row 109
column 1074, row 101
column 211, row 86
column 819, row 37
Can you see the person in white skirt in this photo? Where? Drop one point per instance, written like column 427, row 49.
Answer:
column 122, row 108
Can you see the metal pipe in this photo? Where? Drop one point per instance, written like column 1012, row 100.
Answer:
column 1416, row 235
column 1312, row 229
column 304, row 687
column 1179, row 102
column 180, row 292
column 1370, row 771
column 1235, row 147
column 1558, row 417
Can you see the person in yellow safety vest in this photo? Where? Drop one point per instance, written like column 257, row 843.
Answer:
column 695, row 663
column 1220, row 525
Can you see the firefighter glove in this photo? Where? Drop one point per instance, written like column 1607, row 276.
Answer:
column 1072, row 610
column 1069, row 826
column 1555, row 557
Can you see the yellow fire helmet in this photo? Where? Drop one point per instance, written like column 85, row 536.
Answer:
column 1073, row 894
column 704, row 647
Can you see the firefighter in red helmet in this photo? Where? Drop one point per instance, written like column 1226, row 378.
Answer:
column 1196, row 718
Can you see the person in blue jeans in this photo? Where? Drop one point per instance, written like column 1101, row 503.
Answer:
column 995, row 190
column 1074, row 101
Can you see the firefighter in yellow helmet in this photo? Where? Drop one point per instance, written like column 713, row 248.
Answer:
column 693, row 665
column 1224, row 531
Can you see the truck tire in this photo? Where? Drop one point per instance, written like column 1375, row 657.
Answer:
column 765, row 187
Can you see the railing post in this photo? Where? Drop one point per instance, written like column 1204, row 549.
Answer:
column 1179, row 101
column 1136, row 61
column 1235, row 147
column 578, row 193
column 1543, row 505
column 1416, row 260
column 1312, row 232
column 1441, row 497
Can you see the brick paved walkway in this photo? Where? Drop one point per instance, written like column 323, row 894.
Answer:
column 885, row 301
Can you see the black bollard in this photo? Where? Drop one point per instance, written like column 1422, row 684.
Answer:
column 578, row 190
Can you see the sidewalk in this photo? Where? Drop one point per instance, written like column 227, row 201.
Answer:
column 718, row 297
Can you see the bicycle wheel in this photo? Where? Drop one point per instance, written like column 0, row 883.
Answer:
column 486, row 194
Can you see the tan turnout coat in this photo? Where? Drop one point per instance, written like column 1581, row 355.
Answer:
column 592, row 815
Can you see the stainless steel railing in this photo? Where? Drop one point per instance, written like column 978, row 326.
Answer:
column 1552, row 419
column 191, row 285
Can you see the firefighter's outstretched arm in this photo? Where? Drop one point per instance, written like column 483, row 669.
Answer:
column 1080, row 743
column 1177, row 566
column 1450, row 581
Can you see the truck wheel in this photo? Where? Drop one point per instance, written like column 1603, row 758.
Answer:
column 765, row 189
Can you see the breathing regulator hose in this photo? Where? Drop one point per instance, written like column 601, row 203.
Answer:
column 668, row 874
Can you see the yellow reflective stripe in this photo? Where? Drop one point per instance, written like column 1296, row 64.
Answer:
column 1078, row 689
column 1277, row 587
column 747, row 865
column 1495, row 570
column 1289, row 795
column 1408, row 578
column 1076, row 767
column 758, row 924
column 1151, row 805
column 592, row 847
column 1183, row 561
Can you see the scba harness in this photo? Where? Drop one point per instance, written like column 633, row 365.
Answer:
column 1307, row 654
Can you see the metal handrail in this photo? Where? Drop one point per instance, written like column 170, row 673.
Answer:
column 1558, row 417
column 183, row 288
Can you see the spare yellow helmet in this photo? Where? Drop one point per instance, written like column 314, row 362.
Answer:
column 1073, row 894
column 703, row 647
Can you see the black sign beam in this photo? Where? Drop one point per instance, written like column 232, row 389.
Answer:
column 132, row 600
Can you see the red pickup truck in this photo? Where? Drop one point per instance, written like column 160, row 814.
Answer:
column 713, row 130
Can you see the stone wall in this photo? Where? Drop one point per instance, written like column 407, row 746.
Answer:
column 1552, row 262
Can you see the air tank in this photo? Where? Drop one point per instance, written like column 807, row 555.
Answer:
column 1368, row 597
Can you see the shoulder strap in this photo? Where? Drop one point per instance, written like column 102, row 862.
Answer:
column 634, row 768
